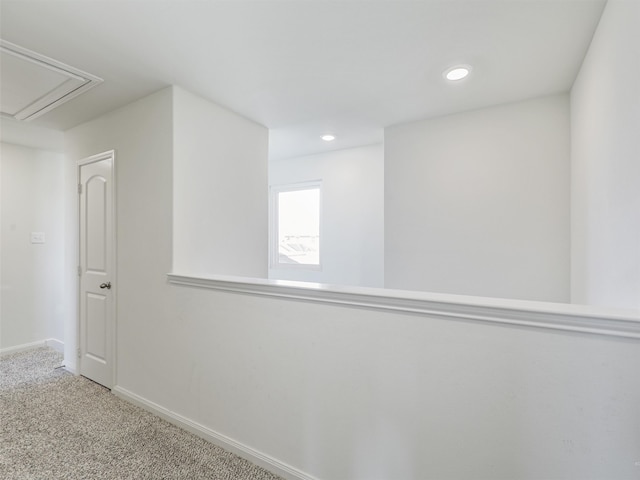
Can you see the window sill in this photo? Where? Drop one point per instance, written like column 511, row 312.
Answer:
column 554, row 316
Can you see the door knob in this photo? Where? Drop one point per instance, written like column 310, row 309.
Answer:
column 106, row 285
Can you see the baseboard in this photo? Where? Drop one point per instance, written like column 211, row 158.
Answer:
column 71, row 368
column 50, row 342
column 248, row 453
column 55, row 344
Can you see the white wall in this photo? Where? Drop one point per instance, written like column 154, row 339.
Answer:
column 346, row 393
column 220, row 182
column 29, row 135
column 343, row 392
column 141, row 135
column 352, row 214
column 33, row 306
column 605, row 117
column 478, row 203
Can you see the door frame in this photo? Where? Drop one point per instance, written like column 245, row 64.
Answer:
column 112, row 333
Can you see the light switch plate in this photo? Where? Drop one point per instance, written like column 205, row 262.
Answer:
column 37, row 237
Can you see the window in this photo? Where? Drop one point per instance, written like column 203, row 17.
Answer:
column 295, row 225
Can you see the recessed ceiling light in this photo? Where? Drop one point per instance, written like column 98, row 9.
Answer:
column 457, row 73
column 328, row 137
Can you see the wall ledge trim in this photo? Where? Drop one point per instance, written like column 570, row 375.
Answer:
column 555, row 316
column 248, row 453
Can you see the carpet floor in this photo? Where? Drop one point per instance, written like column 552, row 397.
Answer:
column 55, row 425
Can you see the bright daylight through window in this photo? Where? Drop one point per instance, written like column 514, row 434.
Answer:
column 297, row 225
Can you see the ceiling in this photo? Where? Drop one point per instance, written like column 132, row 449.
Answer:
column 304, row 68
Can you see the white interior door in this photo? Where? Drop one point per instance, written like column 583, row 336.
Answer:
column 96, row 269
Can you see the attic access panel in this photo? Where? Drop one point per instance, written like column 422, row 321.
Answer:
column 32, row 84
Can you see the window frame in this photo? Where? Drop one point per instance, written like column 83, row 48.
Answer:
column 274, row 196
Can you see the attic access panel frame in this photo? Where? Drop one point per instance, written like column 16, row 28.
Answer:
column 58, row 83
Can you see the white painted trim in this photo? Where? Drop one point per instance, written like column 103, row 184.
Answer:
column 554, row 316
column 248, row 453
column 49, row 342
column 59, row 95
column 55, row 344
column 22, row 348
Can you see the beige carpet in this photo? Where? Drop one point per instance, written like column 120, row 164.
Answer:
column 54, row 425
